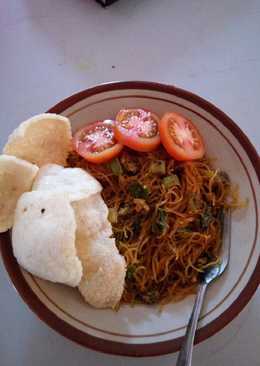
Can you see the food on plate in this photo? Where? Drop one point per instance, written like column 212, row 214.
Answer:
column 43, row 237
column 96, row 142
column 42, row 139
column 180, row 137
column 144, row 238
column 167, row 221
column 16, row 177
column 77, row 183
column 166, row 214
column 137, row 129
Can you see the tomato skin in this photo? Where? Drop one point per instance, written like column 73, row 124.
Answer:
column 143, row 122
column 84, row 148
column 101, row 158
column 180, row 137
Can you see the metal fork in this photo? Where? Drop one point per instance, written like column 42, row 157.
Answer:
column 211, row 274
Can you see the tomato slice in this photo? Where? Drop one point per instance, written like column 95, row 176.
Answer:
column 180, row 137
column 96, row 142
column 137, row 129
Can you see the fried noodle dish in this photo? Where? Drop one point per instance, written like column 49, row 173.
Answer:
column 167, row 219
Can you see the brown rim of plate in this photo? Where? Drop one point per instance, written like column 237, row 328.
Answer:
column 107, row 346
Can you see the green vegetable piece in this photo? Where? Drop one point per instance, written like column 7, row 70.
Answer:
column 151, row 297
column 136, row 226
column 130, row 272
column 158, row 167
column 210, row 173
column 121, row 236
column 170, row 181
column 160, row 222
column 116, row 167
column 137, row 190
column 112, row 215
column 206, row 217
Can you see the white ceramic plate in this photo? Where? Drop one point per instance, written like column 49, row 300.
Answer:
column 143, row 330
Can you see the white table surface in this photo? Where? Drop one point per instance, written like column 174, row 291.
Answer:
column 52, row 49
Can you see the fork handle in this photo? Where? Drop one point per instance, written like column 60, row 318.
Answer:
column 185, row 355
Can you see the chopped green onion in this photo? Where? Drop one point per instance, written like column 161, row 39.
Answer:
column 151, row 297
column 130, row 272
column 160, row 222
column 206, row 217
column 158, row 167
column 116, row 167
column 136, row 226
column 121, row 235
column 112, row 215
column 170, row 181
column 138, row 190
